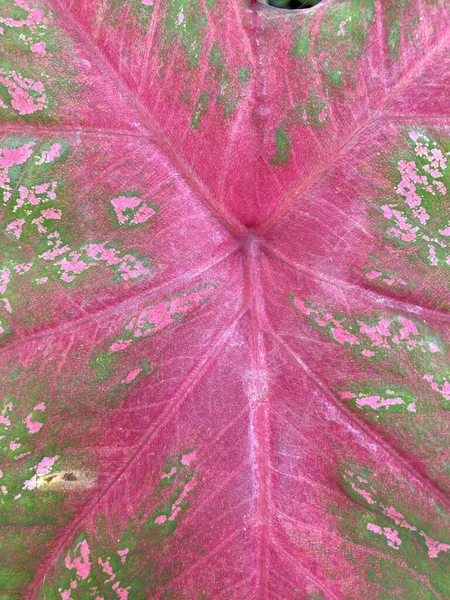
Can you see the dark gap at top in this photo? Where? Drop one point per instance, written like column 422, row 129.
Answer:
column 291, row 4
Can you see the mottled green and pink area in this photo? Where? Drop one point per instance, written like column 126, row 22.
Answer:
column 101, row 564
column 224, row 300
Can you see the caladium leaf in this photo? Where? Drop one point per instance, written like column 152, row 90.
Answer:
column 224, row 315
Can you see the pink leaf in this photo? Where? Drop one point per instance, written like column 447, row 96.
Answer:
column 224, row 314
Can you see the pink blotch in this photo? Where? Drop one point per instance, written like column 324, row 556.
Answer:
column 176, row 508
column 437, row 154
column 131, row 376
column 45, row 466
column 5, row 276
column 123, row 555
column 39, row 48
column 51, row 213
column 421, row 214
column 180, row 17
column 363, row 493
column 376, row 402
column 7, row 304
column 433, row 347
column 398, row 518
column 41, row 188
column 35, row 16
column 147, row 2
column 15, row 228
column 378, row 334
column 30, row 484
column 411, row 407
column 161, row 519
column 131, row 272
column 120, row 345
column 9, row 157
column 342, row 28
column 446, row 390
column 32, row 426
column 408, row 329
column 57, row 251
column 188, row 458
column 383, row 327
column 41, row 280
column 122, row 593
column 14, row 446
column 342, row 336
column 4, row 420
column 72, row 266
column 387, row 211
column 373, row 274
column 390, row 534
column 19, row 87
column 432, row 256
column 22, row 268
column 301, row 306
column 434, row 547
column 81, row 563
column 122, row 203
column 143, row 214
column 51, row 154
column 172, row 471
column 40, row 406
column 107, row 568
column 429, row 378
